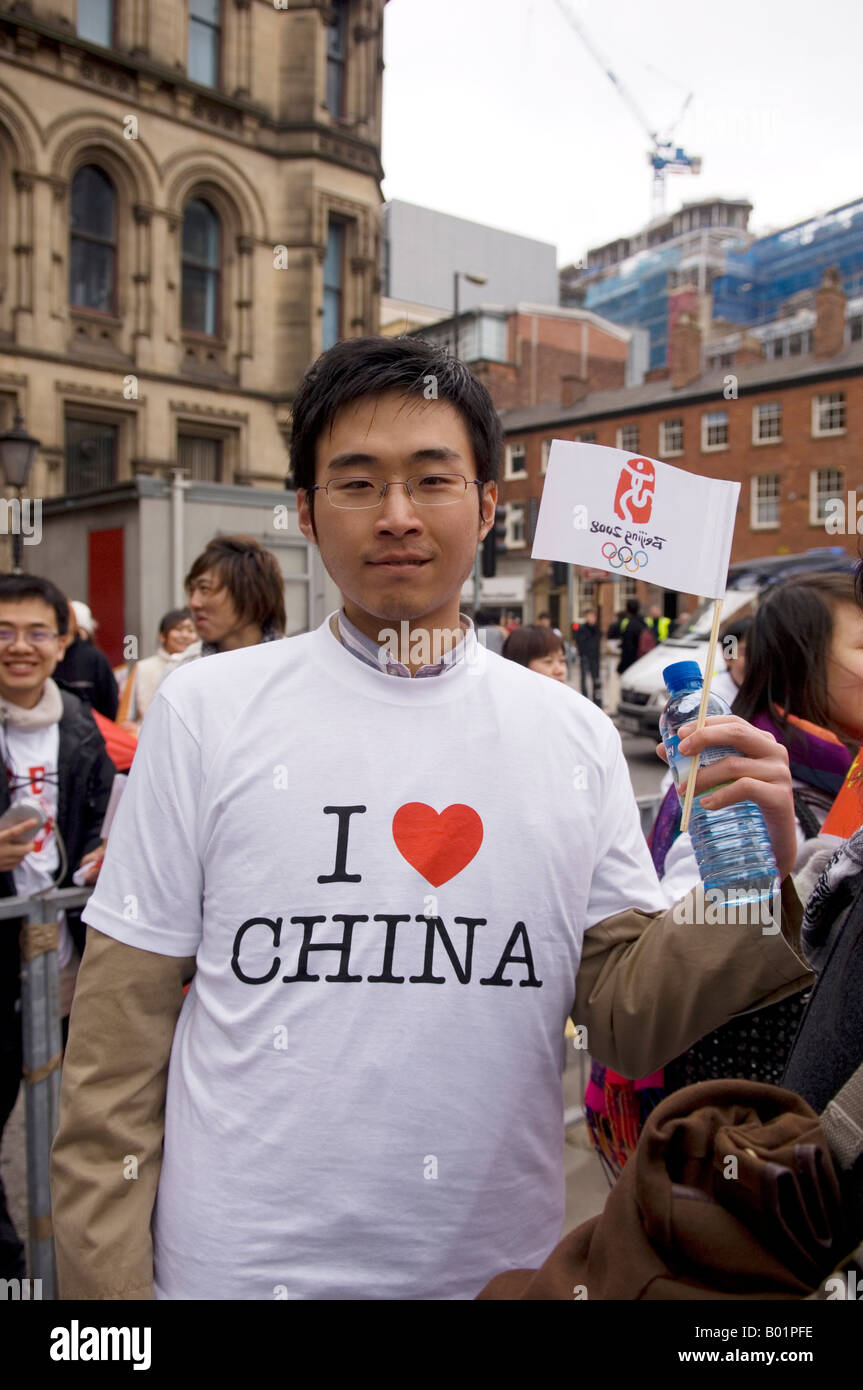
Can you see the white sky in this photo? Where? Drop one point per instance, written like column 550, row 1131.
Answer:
column 494, row 110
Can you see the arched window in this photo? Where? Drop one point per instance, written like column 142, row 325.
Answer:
column 93, row 251
column 201, row 261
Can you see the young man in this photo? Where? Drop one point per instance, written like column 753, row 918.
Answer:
column 396, row 860
column 236, row 597
column 53, row 755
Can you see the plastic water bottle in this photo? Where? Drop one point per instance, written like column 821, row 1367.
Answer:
column 732, row 846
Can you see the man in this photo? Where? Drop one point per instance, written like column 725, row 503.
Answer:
column 658, row 623
column 52, row 755
column 85, row 670
column 586, row 635
column 396, row 859
column 631, row 628
column 236, row 597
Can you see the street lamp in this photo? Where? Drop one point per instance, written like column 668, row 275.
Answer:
column 473, row 280
column 18, row 449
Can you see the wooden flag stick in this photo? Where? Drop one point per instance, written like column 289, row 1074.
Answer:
column 702, row 711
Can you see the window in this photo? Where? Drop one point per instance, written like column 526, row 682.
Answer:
column 671, row 437
column 204, row 34
column 587, row 437
column 200, row 457
column 828, row 413
column 545, row 450
column 765, row 502
column 714, row 430
column 336, row 47
column 96, row 21
column 334, row 276
column 627, row 438
column 855, row 328
column 93, row 249
column 767, row 423
column 823, row 483
column 201, row 264
column 516, row 461
column 516, row 525
column 91, row 454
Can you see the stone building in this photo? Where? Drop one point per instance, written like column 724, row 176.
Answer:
column 190, row 213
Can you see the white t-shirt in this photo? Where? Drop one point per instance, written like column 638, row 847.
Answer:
column 385, row 1122
column 30, row 757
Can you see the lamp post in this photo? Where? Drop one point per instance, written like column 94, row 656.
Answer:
column 473, row 280
column 18, row 449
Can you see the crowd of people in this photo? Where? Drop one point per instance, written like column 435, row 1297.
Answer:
column 325, row 973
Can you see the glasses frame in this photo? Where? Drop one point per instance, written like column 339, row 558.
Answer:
column 406, row 484
column 38, row 643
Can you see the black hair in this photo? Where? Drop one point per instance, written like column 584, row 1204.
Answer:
column 739, row 628
column 529, row 641
column 172, row 619
column 358, row 367
column 251, row 575
column 633, row 606
column 787, row 649
column 14, row 588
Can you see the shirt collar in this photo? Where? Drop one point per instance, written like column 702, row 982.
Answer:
column 380, row 655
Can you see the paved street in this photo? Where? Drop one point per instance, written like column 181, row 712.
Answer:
column 586, row 1186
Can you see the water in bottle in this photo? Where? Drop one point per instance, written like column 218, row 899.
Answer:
column 732, row 846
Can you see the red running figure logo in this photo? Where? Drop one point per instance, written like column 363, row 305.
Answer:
column 633, row 500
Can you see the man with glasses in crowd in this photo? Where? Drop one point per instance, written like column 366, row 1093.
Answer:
column 397, row 863
column 54, row 757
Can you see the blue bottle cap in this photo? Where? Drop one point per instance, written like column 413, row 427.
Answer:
column 680, row 675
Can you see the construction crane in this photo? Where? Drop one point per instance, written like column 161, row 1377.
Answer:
column 664, row 156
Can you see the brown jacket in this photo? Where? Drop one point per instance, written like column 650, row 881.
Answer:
column 647, row 988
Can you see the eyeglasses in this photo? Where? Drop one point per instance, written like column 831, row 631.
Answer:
column 34, row 636
column 426, row 489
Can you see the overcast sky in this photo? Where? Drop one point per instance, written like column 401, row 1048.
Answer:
column 494, row 110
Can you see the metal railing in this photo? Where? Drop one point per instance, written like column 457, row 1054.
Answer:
column 43, row 1053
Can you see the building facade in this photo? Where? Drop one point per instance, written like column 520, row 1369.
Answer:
column 190, row 213
column 789, row 430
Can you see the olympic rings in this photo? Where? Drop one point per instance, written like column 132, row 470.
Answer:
column 633, row 560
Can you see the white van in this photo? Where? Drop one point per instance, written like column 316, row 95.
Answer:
column 642, row 689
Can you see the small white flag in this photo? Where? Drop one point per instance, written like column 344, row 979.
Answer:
column 636, row 517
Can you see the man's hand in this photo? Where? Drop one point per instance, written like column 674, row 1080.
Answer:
column 12, row 850
column 760, row 774
column 94, row 858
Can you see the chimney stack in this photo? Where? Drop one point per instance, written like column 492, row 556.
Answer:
column 829, row 314
column 685, row 351
column 572, row 389
column 751, row 349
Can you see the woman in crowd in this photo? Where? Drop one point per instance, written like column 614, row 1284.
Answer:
column 539, row 648
column 803, row 684
column 176, row 633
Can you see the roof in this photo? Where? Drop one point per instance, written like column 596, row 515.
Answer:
column 627, row 400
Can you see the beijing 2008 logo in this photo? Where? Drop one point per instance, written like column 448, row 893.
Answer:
column 633, row 500
column 624, row 555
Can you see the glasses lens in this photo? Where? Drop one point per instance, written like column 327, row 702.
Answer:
column 437, row 489
column 38, row 635
column 354, row 492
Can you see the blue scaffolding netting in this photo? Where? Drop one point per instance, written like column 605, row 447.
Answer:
column 756, row 280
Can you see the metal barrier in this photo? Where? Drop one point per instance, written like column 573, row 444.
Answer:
column 43, row 1052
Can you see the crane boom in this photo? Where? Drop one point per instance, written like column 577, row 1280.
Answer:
column 596, row 52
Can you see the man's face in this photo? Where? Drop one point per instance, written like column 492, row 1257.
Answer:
column 26, row 662
column 212, row 608
column 399, row 560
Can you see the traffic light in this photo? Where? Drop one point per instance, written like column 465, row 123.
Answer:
column 494, row 544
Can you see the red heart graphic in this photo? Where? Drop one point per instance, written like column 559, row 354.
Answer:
column 437, row 846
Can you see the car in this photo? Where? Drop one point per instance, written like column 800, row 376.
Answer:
column 642, row 689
